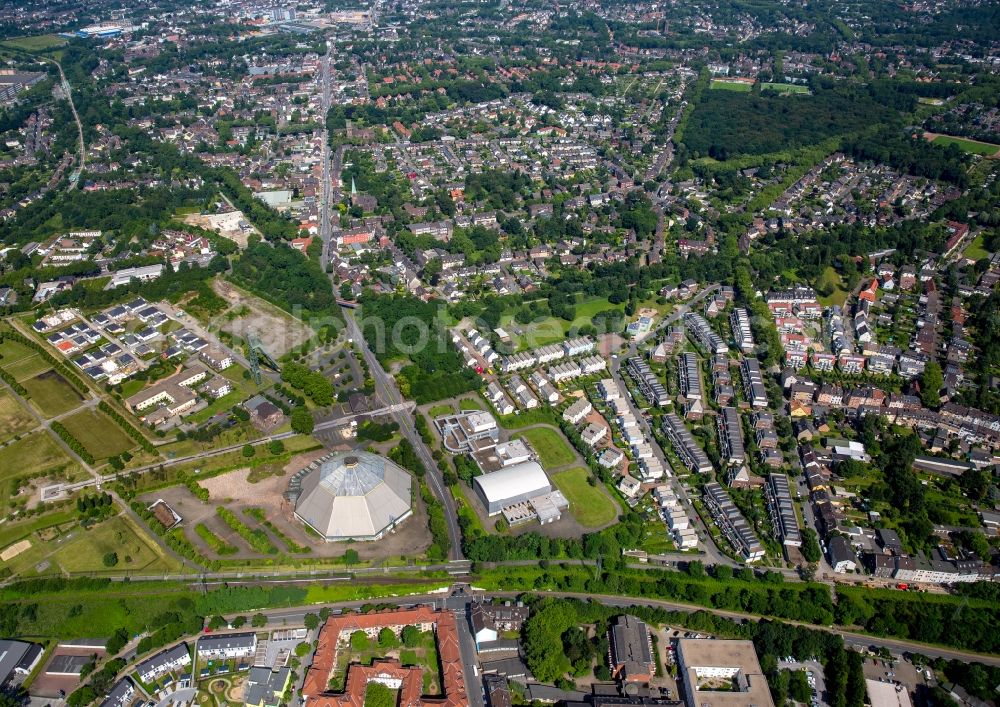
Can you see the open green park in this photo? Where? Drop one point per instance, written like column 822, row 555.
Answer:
column 553, row 451
column 98, row 433
column 589, row 504
column 723, row 84
column 14, row 419
column 987, row 149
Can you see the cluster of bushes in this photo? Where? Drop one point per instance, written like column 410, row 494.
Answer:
column 310, row 382
column 259, row 515
column 197, row 490
column 257, row 539
column 129, row 428
column 440, row 542
column 218, row 545
column 12, row 382
column 71, row 441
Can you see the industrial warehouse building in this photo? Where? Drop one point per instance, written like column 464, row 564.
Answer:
column 512, row 485
column 356, row 496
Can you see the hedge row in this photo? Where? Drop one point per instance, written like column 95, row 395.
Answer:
column 129, row 428
column 256, row 539
column 61, row 367
column 12, row 382
column 72, row 441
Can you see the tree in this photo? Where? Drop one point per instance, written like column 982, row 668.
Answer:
column 258, row 621
column 217, row 622
column 248, row 450
column 359, row 641
column 410, row 636
column 302, row 421
column 110, row 559
column 931, row 381
column 276, row 446
column 239, row 622
column 311, row 621
column 975, row 483
column 378, row 695
column 387, row 639
column 351, row 557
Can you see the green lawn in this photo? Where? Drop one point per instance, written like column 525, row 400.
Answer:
column 552, row 449
column 730, row 85
column 588, row 504
column 550, row 330
column 136, row 551
column 12, row 532
column 831, row 278
column 98, row 433
column 27, row 367
column 35, row 453
column 973, row 146
column 976, row 251
column 785, row 87
column 14, row 419
column 470, row 404
column 52, row 394
column 440, row 410
column 37, row 43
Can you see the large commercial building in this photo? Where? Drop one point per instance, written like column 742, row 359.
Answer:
column 721, row 673
column 512, row 485
column 357, row 496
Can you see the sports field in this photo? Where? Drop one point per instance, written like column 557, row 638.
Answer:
column 98, row 433
column 739, row 86
column 552, row 449
column 785, row 88
column 589, row 504
column 14, row 419
column 36, row 43
column 51, row 394
column 966, row 145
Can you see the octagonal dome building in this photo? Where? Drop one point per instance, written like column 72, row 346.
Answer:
column 354, row 496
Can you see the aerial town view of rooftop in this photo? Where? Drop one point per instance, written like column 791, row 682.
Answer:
column 467, row 353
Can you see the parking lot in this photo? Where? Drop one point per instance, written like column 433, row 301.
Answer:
column 814, row 674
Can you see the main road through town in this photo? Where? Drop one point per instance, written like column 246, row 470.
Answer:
column 388, row 393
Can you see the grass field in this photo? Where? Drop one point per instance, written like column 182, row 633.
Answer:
column 136, row 551
column 51, row 394
column 14, row 419
column 785, row 88
column 588, row 504
column 27, row 367
column 470, row 404
column 549, row 330
column 976, row 251
column 34, row 453
column 966, row 145
column 10, row 533
column 439, row 410
column 552, row 449
column 98, row 433
column 37, row 43
column 831, row 277
column 730, row 85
